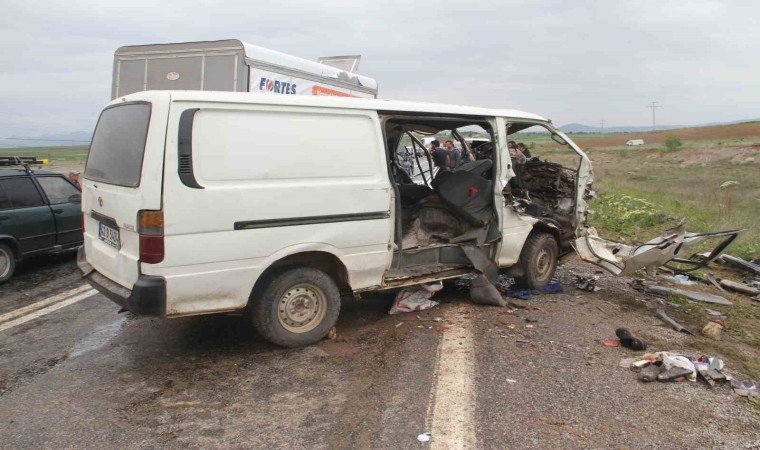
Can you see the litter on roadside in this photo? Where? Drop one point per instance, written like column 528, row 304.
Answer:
column 587, row 283
column 746, row 388
column 627, row 339
column 683, row 279
column 712, row 312
column 425, row 437
column 415, row 298
column 712, row 330
column 670, row 366
column 672, row 323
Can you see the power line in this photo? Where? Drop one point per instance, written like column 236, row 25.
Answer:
column 601, row 123
column 653, row 106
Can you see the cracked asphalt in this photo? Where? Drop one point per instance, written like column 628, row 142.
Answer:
column 86, row 377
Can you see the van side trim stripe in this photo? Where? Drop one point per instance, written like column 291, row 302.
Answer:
column 295, row 221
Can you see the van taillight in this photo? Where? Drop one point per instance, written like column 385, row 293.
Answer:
column 151, row 230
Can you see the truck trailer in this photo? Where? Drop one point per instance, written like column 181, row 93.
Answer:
column 235, row 66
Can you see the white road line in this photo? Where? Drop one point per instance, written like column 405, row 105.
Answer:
column 452, row 421
column 42, row 303
column 48, row 310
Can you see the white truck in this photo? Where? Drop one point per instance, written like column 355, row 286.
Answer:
column 635, row 142
column 236, row 66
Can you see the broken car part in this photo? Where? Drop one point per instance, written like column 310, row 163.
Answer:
column 672, row 323
column 696, row 296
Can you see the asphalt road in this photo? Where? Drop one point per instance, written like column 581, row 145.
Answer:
column 84, row 376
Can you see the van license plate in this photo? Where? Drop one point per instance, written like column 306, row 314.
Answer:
column 109, row 235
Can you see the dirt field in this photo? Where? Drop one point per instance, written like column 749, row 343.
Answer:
column 737, row 131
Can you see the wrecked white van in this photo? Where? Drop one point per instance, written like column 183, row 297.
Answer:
column 210, row 202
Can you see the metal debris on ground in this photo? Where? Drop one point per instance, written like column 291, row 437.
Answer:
column 415, row 298
column 712, row 312
column 672, row 323
column 739, row 287
column 714, row 282
column 587, row 283
column 741, row 264
column 696, row 296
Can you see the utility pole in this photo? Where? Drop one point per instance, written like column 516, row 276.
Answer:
column 654, row 106
column 601, row 124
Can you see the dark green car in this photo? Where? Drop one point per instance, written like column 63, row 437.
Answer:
column 39, row 213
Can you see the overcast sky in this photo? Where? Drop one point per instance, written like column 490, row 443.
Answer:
column 579, row 61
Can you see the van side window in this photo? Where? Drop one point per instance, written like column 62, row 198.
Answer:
column 57, row 189
column 21, row 192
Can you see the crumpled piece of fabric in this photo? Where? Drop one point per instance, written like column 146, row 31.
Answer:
column 415, row 298
column 670, row 360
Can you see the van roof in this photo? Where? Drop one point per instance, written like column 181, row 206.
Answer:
column 332, row 102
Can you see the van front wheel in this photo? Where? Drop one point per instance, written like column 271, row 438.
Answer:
column 538, row 260
column 296, row 307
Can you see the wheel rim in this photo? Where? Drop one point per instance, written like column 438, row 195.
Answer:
column 544, row 264
column 5, row 263
column 301, row 308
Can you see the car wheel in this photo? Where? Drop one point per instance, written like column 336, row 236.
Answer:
column 296, row 307
column 538, row 260
column 7, row 263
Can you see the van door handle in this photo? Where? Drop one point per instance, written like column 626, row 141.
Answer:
column 57, row 211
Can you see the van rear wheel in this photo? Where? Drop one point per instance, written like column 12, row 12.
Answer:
column 538, row 260
column 296, row 307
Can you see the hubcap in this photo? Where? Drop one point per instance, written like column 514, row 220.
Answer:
column 301, row 308
column 543, row 264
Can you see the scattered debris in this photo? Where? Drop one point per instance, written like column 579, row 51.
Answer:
column 399, row 324
column 729, row 184
column 627, row 339
column 714, row 282
column 587, row 283
column 522, row 341
column 483, row 292
column 509, row 380
column 611, row 343
column 332, row 334
column 672, row 323
column 522, row 294
column 712, row 312
column 696, row 296
column 683, row 279
column 739, row 287
column 651, row 372
column 741, row 264
column 746, row 388
column 415, row 298
column 425, row 437
column 712, row 330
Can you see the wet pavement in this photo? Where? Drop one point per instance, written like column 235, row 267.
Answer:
column 84, row 376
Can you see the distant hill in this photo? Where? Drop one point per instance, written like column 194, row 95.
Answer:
column 47, row 140
column 580, row 128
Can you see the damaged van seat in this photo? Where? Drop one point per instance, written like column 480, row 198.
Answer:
column 469, row 196
column 412, row 193
column 478, row 167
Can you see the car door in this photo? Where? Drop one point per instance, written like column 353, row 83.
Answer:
column 24, row 216
column 66, row 205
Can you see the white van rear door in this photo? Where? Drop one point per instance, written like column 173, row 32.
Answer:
column 122, row 177
column 671, row 247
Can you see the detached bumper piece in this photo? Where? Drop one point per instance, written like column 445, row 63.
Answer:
column 146, row 298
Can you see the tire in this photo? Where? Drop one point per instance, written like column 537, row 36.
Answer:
column 538, row 260
column 296, row 307
column 7, row 263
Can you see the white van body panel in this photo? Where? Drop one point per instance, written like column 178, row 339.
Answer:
column 121, row 203
column 274, row 168
column 634, row 142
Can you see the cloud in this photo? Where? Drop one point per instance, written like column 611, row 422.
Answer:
column 578, row 61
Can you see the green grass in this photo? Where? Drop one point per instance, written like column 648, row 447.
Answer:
column 74, row 154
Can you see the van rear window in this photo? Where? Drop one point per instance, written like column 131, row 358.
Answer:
column 116, row 152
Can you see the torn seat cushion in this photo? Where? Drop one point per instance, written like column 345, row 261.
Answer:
column 469, row 196
column 478, row 167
